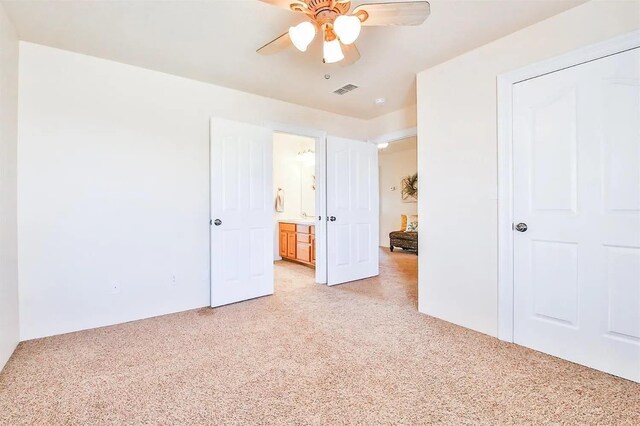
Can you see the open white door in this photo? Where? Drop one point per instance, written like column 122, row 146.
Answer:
column 352, row 209
column 241, row 212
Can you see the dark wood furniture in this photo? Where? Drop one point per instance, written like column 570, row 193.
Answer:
column 404, row 240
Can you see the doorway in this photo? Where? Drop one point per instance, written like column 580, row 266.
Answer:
column 399, row 224
column 339, row 238
column 295, row 194
column 570, row 260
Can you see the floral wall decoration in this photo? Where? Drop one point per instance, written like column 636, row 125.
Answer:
column 410, row 188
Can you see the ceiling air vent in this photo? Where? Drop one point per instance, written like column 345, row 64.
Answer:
column 345, row 89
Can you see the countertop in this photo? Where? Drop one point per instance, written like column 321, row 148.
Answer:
column 301, row 221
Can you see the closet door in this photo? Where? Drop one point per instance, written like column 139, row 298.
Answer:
column 577, row 205
column 241, row 212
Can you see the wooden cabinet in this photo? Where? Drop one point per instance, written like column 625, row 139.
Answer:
column 283, row 244
column 303, row 252
column 297, row 243
column 291, row 245
column 313, row 249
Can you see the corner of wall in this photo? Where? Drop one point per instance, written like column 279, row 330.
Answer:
column 401, row 119
column 9, row 319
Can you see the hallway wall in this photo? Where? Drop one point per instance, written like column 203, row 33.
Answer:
column 9, row 321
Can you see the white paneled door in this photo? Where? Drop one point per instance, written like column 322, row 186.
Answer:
column 352, row 210
column 241, row 212
column 576, row 141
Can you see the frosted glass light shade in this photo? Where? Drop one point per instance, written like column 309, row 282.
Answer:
column 347, row 28
column 332, row 52
column 302, row 35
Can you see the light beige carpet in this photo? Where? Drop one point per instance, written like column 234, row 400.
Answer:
column 358, row 353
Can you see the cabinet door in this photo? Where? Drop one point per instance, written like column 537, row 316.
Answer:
column 302, row 229
column 303, row 238
column 313, row 249
column 303, row 252
column 283, row 244
column 291, row 245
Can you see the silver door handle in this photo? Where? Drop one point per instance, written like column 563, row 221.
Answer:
column 332, row 218
column 521, row 227
column 217, row 222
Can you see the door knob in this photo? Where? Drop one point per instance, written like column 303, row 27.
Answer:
column 521, row 227
column 217, row 222
column 332, row 218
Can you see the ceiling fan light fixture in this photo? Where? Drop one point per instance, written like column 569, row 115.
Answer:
column 302, row 35
column 332, row 51
column 347, row 28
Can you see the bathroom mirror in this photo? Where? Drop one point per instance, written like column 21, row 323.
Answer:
column 308, row 190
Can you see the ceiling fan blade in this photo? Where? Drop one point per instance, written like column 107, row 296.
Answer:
column 279, row 3
column 351, row 55
column 402, row 13
column 275, row 46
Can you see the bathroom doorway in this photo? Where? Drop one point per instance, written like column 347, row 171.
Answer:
column 296, row 197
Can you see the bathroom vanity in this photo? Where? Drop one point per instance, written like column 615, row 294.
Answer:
column 298, row 241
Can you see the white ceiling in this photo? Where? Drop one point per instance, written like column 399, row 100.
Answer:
column 215, row 41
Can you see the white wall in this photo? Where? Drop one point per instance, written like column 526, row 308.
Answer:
column 113, row 181
column 401, row 119
column 9, row 330
column 287, row 174
column 457, row 138
column 400, row 159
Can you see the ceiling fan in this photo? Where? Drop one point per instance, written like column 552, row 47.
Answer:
column 338, row 27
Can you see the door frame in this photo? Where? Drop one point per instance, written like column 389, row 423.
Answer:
column 320, row 137
column 505, row 83
column 395, row 136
